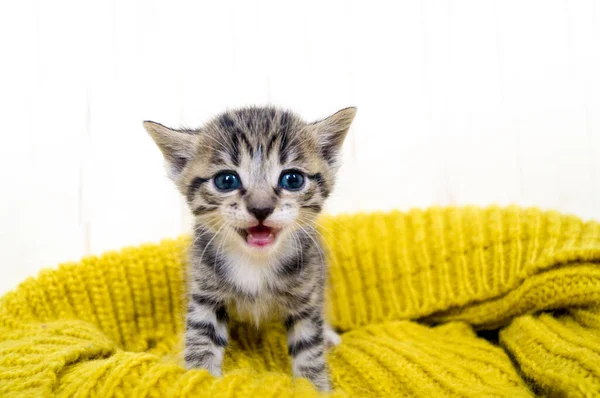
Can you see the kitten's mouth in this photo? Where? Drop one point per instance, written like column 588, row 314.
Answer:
column 259, row 235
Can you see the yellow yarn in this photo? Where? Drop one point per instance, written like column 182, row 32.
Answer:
column 112, row 325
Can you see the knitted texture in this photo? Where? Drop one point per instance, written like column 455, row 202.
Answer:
column 443, row 302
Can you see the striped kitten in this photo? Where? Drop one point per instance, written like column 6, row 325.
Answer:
column 256, row 179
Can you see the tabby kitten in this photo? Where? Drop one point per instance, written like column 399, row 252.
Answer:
column 255, row 180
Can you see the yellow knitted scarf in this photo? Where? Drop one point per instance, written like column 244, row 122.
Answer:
column 456, row 301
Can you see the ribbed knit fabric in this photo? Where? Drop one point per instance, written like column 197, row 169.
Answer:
column 112, row 325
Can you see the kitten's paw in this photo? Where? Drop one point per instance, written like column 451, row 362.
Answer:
column 213, row 366
column 215, row 370
column 321, row 382
column 331, row 337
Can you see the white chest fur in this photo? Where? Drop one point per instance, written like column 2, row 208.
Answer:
column 252, row 276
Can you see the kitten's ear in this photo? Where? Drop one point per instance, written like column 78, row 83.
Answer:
column 177, row 146
column 332, row 131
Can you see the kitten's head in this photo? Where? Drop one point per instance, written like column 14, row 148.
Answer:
column 255, row 176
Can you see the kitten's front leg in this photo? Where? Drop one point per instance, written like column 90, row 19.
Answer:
column 331, row 337
column 306, row 345
column 206, row 333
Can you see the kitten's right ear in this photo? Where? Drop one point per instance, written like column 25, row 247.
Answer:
column 331, row 132
column 177, row 146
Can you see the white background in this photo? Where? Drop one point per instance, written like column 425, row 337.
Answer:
column 460, row 102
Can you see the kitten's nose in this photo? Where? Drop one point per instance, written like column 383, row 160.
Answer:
column 261, row 213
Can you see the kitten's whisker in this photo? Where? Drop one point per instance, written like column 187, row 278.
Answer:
column 298, row 245
column 222, row 244
column 209, row 242
column 199, row 232
column 325, row 230
column 343, row 227
column 323, row 239
column 314, row 241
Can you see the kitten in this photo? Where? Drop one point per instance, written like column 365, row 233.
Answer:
column 255, row 180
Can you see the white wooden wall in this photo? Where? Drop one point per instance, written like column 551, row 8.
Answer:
column 459, row 102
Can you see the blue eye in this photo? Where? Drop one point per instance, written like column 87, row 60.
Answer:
column 227, row 181
column 292, row 180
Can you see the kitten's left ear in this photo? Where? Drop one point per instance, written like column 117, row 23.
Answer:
column 332, row 131
column 177, row 146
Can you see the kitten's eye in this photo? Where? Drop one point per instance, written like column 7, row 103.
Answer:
column 292, row 180
column 227, row 181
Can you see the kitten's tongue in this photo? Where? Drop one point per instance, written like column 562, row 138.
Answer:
column 260, row 235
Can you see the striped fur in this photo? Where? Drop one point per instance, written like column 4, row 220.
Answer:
column 229, row 276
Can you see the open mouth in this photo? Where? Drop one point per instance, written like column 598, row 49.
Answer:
column 259, row 235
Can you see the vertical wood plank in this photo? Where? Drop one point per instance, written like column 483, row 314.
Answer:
column 546, row 108
column 17, row 82
column 396, row 153
column 46, row 90
column 133, row 77
column 583, row 36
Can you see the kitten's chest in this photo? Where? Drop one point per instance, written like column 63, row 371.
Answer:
column 250, row 277
column 256, row 310
column 254, row 285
